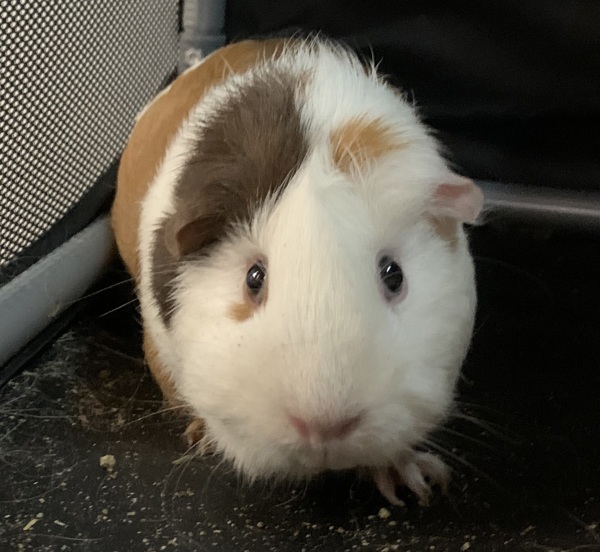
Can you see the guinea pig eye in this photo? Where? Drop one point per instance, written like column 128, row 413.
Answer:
column 255, row 280
column 391, row 276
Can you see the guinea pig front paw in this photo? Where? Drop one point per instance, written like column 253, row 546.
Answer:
column 419, row 472
column 195, row 436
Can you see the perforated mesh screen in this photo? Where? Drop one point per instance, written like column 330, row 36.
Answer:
column 73, row 75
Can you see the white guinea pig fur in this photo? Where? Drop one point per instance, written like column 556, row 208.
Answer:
column 310, row 164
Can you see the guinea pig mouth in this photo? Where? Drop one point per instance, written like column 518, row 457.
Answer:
column 327, row 458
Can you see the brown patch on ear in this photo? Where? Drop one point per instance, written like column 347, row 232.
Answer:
column 446, row 228
column 361, row 141
column 180, row 235
column 185, row 233
column 192, row 236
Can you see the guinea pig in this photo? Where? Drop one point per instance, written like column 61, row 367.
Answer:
column 297, row 243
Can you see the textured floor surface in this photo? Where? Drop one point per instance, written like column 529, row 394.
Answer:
column 524, row 444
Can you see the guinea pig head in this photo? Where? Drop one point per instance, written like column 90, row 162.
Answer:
column 325, row 297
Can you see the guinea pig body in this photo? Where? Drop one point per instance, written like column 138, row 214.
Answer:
column 305, row 283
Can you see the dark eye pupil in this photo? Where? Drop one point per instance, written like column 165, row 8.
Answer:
column 255, row 278
column 391, row 274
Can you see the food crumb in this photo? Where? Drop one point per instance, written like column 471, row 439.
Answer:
column 527, row 529
column 260, row 524
column 384, row 513
column 30, row 524
column 108, row 462
column 465, row 546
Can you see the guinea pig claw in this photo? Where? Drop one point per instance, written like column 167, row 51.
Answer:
column 434, row 469
column 386, row 483
column 419, row 472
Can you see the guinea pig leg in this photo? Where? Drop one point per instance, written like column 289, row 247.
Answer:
column 194, row 432
column 196, row 436
column 420, row 472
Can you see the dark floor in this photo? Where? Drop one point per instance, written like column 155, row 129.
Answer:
column 524, row 444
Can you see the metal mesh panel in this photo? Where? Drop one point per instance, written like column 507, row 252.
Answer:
column 73, row 75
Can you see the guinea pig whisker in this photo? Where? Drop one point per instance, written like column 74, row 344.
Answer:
column 96, row 292
column 166, row 268
column 99, row 291
column 139, row 360
column 494, row 429
column 474, row 405
column 122, row 306
column 183, row 462
column 210, row 476
column 294, row 493
column 449, row 455
column 477, row 330
column 477, row 406
column 488, row 427
column 189, row 454
column 157, row 413
column 466, row 437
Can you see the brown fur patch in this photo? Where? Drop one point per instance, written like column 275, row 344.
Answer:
column 246, row 152
column 246, row 308
column 158, row 125
column 242, row 311
column 249, row 152
column 360, row 141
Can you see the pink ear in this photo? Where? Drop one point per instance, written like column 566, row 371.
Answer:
column 458, row 198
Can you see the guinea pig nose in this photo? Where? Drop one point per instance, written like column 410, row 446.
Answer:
column 320, row 432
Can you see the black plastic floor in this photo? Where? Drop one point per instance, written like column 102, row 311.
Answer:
column 525, row 444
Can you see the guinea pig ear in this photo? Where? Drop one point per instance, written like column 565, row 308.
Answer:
column 187, row 233
column 458, row 198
